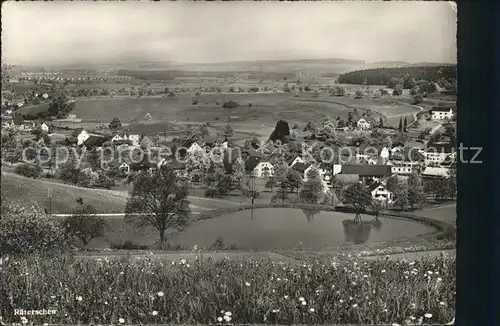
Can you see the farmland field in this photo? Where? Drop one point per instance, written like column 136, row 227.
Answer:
column 265, row 107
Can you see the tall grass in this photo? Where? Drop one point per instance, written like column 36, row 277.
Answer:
column 149, row 290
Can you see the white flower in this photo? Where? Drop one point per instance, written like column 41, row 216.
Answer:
column 79, row 298
column 121, row 273
column 439, row 279
column 227, row 318
column 311, row 310
column 355, row 305
column 183, row 261
column 301, row 299
column 275, row 311
column 219, row 319
column 154, row 313
column 24, row 320
column 160, row 294
column 247, row 284
column 286, row 297
column 412, row 318
column 428, row 315
column 383, row 271
column 105, row 302
column 341, row 301
column 52, row 296
column 228, row 313
column 394, row 324
column 121, row 320
column 303, row 303
column 442, row 303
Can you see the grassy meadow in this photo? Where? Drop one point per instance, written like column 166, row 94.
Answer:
column 348, row 290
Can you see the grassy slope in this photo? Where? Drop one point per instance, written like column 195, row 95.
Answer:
column 63, row 196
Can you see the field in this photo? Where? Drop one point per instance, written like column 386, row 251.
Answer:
column 265, row 107
column 150, row 291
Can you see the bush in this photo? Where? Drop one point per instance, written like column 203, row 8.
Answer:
column 26, row 231
column 230, row 105
column 194, row 102
column 27, row 170
column 212, row 193
column 128, row 245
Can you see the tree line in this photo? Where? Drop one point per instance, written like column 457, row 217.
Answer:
column 382, row 76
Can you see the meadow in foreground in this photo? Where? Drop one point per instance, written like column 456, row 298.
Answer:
column 148, row 290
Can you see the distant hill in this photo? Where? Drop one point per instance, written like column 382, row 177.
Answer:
column 382, row 76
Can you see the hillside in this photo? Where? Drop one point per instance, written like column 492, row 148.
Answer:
column 35, row 191
column 381, row 76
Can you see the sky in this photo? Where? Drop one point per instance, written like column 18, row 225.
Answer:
column 205, row 32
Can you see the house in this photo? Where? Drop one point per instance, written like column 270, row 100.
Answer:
column 363, row 124
column 81, row 135
column 367, row 173
column 116, row 138
column 435, row 172
column 295, row 160
column 134, row 139
column 449, row 160
column 436, row 153
column 380, row 192
column 93, row 141
column 194, row 147
column 405, row 168
column 441, row 113
column 301, row 168
column 44, row 127
column 263, row 169
column 124, row 168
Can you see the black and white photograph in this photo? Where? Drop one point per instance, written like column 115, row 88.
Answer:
column 228, row 163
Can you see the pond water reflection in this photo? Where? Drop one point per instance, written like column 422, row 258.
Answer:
column 271, row 228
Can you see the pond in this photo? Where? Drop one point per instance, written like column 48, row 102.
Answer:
column 268, row 228
column 272, row 228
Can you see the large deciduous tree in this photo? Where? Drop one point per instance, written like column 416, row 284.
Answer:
column 158, row 198
column 358, row 197
column 83, row 223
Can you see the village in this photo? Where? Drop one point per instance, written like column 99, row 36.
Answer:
column 344, row 153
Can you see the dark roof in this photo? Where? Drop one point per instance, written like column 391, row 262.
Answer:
column 251, row 162
column 367, row 170
column 94, row 141
column 300, row 167
column 77, row 131
column 253, row 152
column 408, row 154
column 374, row 186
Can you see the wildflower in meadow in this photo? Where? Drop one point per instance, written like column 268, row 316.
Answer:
column 121, row 320
column 154, row 313
column 227, row 318
column 219, row 319
column 286, row 297
column 228, row 313
column 79, row 298
column 355, row 305
column 311, row 310
column 247, row 284
column 160, row 294
column 303, row 303
column 24, row 320
column 301, row 299
column 428, row 315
